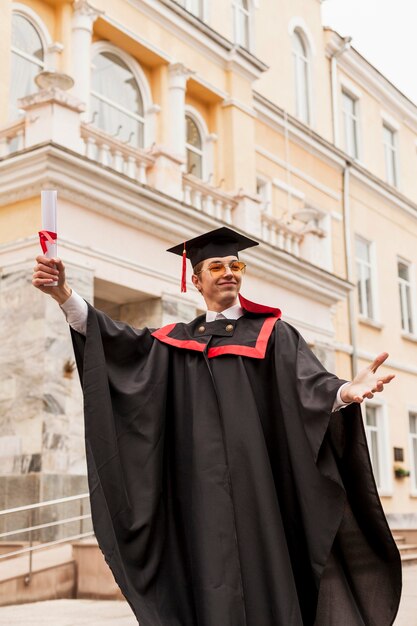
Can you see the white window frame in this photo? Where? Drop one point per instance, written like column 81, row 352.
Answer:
column 188, row 5
column 391, row 154
column 265, row 193
column 247, row 13
column 299, row 32
column 374, row 282
column 385, row 464
column 413, row 462
column 149, row 108
column 207, row 143
column 403, row 285
column 354, row 119
column 31, row 16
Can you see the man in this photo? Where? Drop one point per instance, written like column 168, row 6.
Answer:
column 227, row 489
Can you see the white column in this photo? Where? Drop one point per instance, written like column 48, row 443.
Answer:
column 83, row 19
column 178, row 76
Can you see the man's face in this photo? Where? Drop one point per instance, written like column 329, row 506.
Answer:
column 219, row 292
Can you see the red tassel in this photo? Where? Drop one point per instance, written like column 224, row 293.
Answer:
column 184, row 271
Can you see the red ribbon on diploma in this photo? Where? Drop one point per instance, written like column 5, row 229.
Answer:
column 44, row 236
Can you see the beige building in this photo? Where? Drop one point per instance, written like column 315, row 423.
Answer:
column 182, row 116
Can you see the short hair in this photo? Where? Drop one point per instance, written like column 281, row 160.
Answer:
column 198, row 267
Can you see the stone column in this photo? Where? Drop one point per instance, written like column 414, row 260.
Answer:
column 178, row 76
column 42, row 454
column 83, row 19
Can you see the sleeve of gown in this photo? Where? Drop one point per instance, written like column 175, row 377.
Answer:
column 316, row 388
column 76, row 311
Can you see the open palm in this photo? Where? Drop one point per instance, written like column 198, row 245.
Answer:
column 367, row 382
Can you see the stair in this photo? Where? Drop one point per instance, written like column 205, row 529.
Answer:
column 53, row 576
column 68, row 570
column 408, row 551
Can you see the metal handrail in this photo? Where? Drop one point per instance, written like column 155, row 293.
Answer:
column 38, row 505
column 47, row 545
column 30, row 508
column 67, row 520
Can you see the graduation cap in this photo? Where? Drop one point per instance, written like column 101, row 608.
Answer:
column 216, row 243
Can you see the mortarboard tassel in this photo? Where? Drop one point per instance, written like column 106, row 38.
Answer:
column 184, row 271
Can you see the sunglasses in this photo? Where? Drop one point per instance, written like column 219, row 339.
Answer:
column 218, row 269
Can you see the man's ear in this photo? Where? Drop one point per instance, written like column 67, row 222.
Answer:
column 195, row 280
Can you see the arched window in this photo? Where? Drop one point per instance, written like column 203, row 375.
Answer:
column 194, row 148
column 116, row 101
column 301, row 78
column 241, row 22
column 28, row 56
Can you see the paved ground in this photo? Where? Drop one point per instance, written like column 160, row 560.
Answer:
column 108, row 613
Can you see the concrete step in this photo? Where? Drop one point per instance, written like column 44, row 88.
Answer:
column 407, row 547
column 409, row 559
column 399, row 539
column 41, row 559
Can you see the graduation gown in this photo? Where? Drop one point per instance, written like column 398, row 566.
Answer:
column 224, row 491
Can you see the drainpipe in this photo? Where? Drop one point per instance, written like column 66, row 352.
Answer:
column 346, row 43
column 349, row 267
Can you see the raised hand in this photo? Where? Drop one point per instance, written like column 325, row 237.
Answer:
column 367, row 382
column 47, row 271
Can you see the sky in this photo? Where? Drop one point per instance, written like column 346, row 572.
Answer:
column 384, row 32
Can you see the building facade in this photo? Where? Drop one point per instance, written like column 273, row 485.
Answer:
column 157, row 120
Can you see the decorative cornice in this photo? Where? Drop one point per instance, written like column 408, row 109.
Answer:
column 53, row 94
column 276, row 117
column 371, row 80
column 199, row 35
column 84, row 8
column 111, row 194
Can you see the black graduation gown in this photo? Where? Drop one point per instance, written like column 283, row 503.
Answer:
column 224, row 491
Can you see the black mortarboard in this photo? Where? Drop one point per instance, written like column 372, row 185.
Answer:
column 216, row 243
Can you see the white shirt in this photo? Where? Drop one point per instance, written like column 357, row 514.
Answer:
column 76, row 312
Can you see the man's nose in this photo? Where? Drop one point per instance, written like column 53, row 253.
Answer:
column 227, row 271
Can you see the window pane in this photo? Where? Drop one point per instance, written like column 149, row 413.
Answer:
column 23, row 80
column 368, row 290
column 413, row 423
column 362, row 250
column 409, row 309
column 114, row 122
column 348, row 103
column 371, row 416
column 193, row 136
column 375, row 457
column 362, row 309
column 298, row 45
column 403, row 271
column 194, row 164
column 389, row 136
column 114, row 80
column 414, row 461
column 196, row 7
column 301, row 79
column 25, row 37
column 403, row 307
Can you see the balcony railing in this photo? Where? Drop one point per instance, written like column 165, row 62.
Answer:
column 12, row 138
column 100, row 147
column 280, row 234
column 208, row 199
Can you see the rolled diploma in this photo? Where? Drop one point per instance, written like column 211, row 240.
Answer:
column 48, row 203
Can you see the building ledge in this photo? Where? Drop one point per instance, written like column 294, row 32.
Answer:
column 409, row 337
column 367, row 321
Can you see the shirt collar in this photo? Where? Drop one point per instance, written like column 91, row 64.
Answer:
column 232, row 313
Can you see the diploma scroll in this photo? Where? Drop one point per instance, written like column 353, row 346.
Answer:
column 48, row 203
